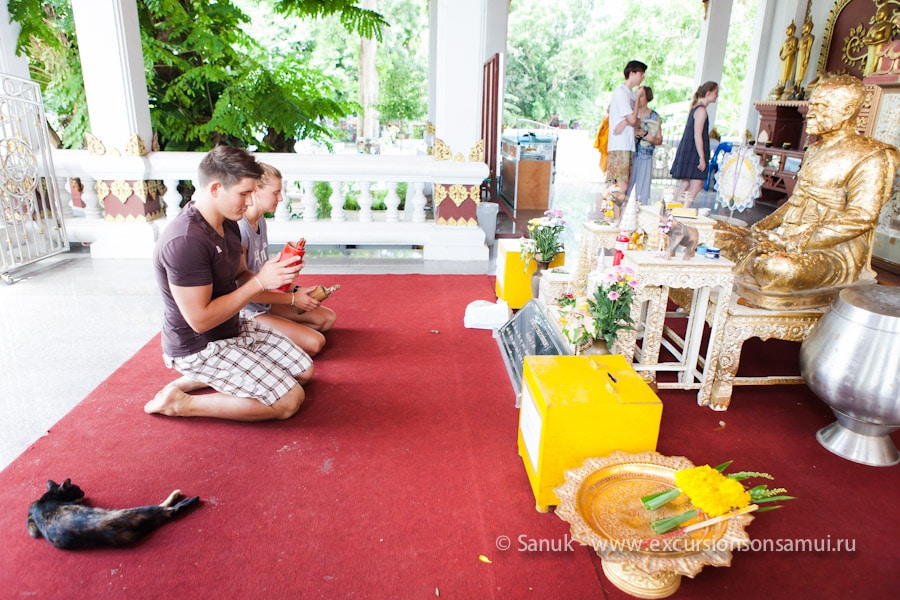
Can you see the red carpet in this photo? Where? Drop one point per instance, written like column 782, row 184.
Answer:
column 402, row 469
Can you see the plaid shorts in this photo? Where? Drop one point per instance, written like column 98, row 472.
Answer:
column 259, row 363
column 618, row 169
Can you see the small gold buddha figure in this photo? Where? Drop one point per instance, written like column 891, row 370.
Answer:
column 879, row 34
column 788, row 56
column 803, row 51
column 820, row 240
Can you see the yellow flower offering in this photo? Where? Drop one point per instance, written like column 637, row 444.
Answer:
column 710, row 491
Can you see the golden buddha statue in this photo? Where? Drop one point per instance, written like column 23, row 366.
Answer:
column 879, row 34
column 803, row 51
column 820, row 240
column 788, row 56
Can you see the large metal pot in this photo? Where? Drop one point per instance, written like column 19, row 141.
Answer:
column 851, row 360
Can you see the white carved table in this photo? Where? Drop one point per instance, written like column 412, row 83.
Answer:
column 596, row 237
column 711, row 283
column 648, row 220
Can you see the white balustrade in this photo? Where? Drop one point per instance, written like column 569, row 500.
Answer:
column 90, row 199
column 172, row 198
column 370, row 175
column 337, row 202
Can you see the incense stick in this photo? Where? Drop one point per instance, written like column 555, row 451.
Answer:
column 702, row 524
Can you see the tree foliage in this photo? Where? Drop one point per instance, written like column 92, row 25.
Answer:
column 207, row 81
column 569, row 59
column 402, row 67
column 366, row 23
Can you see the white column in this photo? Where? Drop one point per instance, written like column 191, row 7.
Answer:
column 713, row 41
column 462, row 33
column 109, row 43
column 10, row 62
column 755, row 86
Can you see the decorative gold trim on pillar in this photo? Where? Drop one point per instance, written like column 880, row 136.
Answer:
column 122, row 190
column 135, row 146
column 102, row 189
column 476, row 154
column 93, row 144
column 460, row 209
column 140, row 190
column 441, row 150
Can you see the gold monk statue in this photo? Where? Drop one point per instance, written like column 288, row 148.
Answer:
column 820, row 240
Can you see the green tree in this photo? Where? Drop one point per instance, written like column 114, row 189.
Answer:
column 546, row 66
column 569, row 59
column 207, row 82
column 402, row 68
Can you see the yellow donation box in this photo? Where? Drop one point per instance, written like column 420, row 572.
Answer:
column 578, row 407
column 513, row 279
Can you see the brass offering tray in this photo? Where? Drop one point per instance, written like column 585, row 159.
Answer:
column 601, row 500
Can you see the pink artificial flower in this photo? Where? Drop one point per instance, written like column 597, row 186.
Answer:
column 613, row 295
column 633, row 283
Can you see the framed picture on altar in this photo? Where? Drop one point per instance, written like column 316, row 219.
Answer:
column 880, row 122
column 791, row 164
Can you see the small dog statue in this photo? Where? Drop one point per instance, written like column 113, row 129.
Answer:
column 61, row 517
column 678, row 234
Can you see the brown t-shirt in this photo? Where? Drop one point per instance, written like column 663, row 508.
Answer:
column 190, row 253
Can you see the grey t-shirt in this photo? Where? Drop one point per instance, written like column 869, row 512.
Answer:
column 190, row 253
column 256, row 242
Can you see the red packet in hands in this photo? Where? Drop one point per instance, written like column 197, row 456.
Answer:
column 292, row 249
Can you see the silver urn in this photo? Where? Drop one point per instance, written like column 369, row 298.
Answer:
column 851, row 360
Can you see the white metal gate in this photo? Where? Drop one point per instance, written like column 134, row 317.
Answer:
column 31, row 224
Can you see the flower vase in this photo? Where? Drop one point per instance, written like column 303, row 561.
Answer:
column 597, row 347
column 536, row 276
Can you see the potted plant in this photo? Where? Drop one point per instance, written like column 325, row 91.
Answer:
column 542, row 244
column 610, row 307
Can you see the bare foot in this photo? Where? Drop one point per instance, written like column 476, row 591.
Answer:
column 169, row 401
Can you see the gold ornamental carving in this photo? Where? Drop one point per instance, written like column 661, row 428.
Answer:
column 135, row 146
column 458, row 193
column 121, row 190
column 440, row 193
column 93, row 144
column 860, row 48
column 441, row 150
column 476, row 154
column 141, row 190
column 135, row 218
column 460, row 222
column 102, row 189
